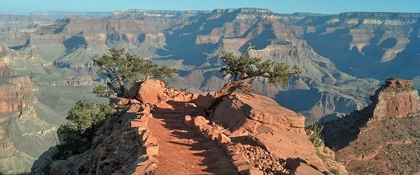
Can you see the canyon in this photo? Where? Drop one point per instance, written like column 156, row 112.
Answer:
column 46, row 61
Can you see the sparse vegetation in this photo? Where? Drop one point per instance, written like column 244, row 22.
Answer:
column 83, row 120
column 335, row 171
column 121, row 69
column 314, row 133
column 241, row 71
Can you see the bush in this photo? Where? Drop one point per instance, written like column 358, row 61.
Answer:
column 83, row 120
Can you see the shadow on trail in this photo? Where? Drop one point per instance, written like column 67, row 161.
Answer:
column 214, row 157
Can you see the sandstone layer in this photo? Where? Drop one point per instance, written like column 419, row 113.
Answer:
column 397, row 98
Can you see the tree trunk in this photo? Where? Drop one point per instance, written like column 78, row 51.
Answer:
column 122, row 87
column 225, row 90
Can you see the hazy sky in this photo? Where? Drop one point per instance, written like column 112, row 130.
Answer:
column 279, row 6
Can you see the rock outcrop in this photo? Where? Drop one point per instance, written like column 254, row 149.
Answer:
column 256, row 113
column 257, row 121
column 381, row 137
column 397, row 98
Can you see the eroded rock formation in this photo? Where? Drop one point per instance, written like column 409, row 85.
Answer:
column 397, row 98
column 23, row 136
column 382, row 137
column 258, row 121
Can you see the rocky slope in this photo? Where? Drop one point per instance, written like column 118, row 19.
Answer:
column 144, row 139
column 259, row 121
column 382, row 138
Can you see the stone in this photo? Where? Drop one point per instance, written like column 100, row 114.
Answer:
column 200, row 120
column 151, row 140
column 304, row 169
column 249, row 112
column 188, row 121
column 118, row 101
column 152, row 149
column 147, row 91
column 145, row 165
column 222, row 139
column 137, row 123
column 205, row 100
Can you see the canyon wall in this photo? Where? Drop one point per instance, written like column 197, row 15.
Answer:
column 382, row 137
column 23, row 136
column 397, row 98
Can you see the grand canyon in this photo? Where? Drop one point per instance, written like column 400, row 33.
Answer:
column 359, row 83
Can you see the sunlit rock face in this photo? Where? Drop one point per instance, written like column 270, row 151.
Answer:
column 396, row 98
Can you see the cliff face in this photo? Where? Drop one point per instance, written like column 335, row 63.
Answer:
column 397, row 98
column 383, row 42
column 381, row 137
column 23, row 136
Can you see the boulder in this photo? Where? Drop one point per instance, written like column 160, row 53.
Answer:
column 222, row 139
column 149, row 91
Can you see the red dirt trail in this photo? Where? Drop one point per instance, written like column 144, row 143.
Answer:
column 181, row 150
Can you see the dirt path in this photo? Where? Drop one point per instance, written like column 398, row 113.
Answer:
column 181, row 150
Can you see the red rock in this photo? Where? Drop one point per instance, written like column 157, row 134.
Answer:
column 15, row 94
column 222, row 139
column 396, row 98
column 188, row 121
column 200, row 120
column 304, row 169
column 152, row 149
column 148, row 91
column 249, row 112
column 151, row 140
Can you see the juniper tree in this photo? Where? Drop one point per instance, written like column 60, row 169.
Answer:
column 241, row 71
column 121, row 69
